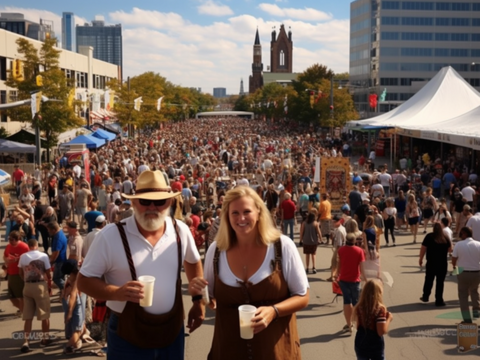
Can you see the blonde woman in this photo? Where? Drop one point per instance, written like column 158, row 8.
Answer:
column 252, row 263
column 413, row 215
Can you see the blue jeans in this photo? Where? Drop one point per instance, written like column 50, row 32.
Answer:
column 350, row 291
column 78, row 315
column 286, row 224
column 58, row 277
column 120, row 349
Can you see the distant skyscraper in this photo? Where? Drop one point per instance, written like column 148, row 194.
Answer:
column 219, row 92
column 68, row 32
column 242, row 92
column 105, row 40
column 16, row 23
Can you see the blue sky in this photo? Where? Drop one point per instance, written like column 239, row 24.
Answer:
column 208, row 43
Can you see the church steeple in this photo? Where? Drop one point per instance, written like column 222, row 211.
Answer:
column 256, row 79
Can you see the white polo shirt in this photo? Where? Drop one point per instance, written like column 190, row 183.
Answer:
column 468, row 253
column 474, row 223
column 468, row 193
column 106, row 257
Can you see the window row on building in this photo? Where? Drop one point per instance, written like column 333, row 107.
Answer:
column 393, row 66
column 427, row 36
column 437, row 52
column 360, row 25
column 428, row 21
column 425, row 5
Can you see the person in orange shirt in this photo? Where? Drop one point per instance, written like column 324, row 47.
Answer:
column 325, row 216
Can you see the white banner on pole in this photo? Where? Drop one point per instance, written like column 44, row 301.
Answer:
column 316, row 177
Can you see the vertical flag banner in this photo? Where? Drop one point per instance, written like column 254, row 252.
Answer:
column 159, row 103
column 137, row 103
column 316, row 176
column 383, row 96
column 106, row 100
column 372, row 99
column 95, row 102
column 71, row 97
column 35, row 103
column 285, row 106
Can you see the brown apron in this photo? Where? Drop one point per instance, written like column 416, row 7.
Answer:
column 141, row 328
column 278, row 341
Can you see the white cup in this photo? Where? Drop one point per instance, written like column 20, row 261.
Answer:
column 148, row 283
column 246, row 313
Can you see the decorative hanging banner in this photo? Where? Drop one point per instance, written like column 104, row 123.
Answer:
column 335, row 180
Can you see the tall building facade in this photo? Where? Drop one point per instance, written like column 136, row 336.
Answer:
column 281, row 51
column 400, row 45
column 68, row 32
column 219, row 92
column 256, row 79
column 16, row 23
column 106, row 41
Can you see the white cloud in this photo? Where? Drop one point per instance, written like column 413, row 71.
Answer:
column 217, row 54
column 214, row 9
column 306, row 14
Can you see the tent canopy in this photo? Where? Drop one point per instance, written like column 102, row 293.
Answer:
column 90, row 141
column 446, row 96
column 7, row 146
column 104, row 135
column 465, row 124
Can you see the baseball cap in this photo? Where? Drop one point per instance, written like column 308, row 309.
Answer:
column 127, row 202
column 345, row 207
column 100, row 219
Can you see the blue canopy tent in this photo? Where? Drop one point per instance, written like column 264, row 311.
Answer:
column 90, row 141
column 104, row 135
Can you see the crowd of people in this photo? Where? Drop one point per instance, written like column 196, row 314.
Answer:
column 234, row 189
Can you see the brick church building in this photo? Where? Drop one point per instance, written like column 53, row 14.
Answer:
column 281, row 57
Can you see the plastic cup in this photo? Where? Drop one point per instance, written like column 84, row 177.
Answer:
column 246, row 314
column 148, row 283
column 206, row 297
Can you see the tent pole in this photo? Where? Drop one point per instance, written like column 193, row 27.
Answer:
column 391, row 151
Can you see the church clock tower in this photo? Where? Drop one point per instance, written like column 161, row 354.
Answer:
column 256, row 79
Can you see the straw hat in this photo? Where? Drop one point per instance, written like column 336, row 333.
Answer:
column 151, row 185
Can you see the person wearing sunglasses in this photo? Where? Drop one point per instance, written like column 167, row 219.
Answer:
column 148, row 243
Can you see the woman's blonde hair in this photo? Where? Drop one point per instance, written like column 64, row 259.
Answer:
column 370, row 303
column 351, row 226
column 266, row 231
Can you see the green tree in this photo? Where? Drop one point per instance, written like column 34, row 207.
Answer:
column 55, row 116
column 3, row 133
column 312, row 103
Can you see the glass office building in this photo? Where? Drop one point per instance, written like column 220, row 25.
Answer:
column 68, row 31
column 105, row 40
column 16, row 23
column 400, row 45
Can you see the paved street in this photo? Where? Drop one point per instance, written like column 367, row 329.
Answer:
column 418, row 331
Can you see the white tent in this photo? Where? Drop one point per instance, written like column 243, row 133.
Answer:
column 447, row 95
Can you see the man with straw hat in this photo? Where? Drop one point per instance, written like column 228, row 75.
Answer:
column 149, row 243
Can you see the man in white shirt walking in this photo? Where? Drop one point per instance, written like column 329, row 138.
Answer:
column 466, row 255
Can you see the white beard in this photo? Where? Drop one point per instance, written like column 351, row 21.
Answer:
column 149, row 222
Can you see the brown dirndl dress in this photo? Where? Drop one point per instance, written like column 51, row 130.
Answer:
column 278, row 341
